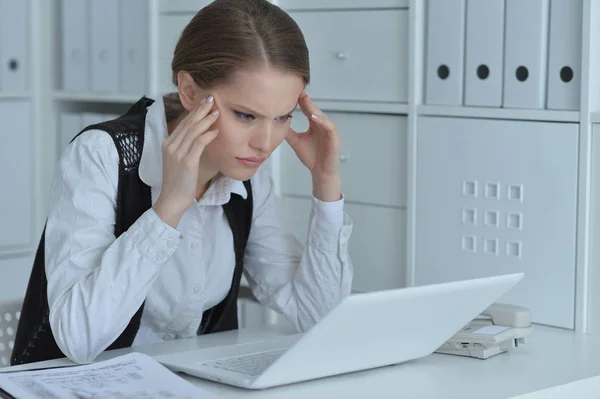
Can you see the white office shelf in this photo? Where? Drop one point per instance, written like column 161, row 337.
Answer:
column 7, row 253
column 14, row 96
column 359, row 106
column 500, row 113
column 595, row 117
column 192, row 6
column 97, row 97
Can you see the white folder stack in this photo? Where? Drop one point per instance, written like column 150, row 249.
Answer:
column 134, row 41
column 105, row 46
column 14, row 46
column 75, row 49
column 504, row 53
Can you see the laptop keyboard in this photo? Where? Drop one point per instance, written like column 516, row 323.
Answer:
column 253, row 364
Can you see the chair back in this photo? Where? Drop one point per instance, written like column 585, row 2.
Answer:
column 10, row 311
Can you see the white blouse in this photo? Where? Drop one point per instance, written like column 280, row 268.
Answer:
column 96, row 283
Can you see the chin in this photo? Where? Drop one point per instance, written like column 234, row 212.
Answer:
column 240, row 174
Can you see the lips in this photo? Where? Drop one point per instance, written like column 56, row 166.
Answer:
column 253, row 159
column 251, row 162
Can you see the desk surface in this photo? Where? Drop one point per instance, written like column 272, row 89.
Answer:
column 553, row 363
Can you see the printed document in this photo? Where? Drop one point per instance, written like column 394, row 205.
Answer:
column 131, row 376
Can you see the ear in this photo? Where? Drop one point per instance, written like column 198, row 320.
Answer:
column 188, row 90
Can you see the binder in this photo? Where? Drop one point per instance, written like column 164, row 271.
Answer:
column 134, row 46
column 75, row 38
column 14, row 45
column 564, row 55
column 525, row 54
column 70, row 124
column 484, row 53
column 445, row 52
column 104, row 25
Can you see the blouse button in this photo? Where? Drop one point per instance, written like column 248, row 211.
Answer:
column 195, row 245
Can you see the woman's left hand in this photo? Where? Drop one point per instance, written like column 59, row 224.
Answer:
column 319, row 150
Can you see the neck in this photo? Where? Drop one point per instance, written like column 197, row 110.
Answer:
column 205, row 176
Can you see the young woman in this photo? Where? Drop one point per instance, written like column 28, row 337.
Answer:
column 241, row 68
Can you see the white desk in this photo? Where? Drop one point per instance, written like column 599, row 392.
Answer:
column 553, row 364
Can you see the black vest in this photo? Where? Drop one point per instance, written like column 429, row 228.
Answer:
column 34, row 340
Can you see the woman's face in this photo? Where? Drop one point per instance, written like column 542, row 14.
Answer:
column 255, row 112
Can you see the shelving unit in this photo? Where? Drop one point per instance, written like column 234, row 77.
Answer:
column 594, row 117
column 394, row 240
column 15, row 96
column 583, row 265
column 96, row 98
column 499, row 113
column 362, row 107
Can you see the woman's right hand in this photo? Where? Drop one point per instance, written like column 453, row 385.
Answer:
column 181, row 153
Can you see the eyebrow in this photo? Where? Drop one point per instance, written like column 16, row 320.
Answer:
column 251, row 111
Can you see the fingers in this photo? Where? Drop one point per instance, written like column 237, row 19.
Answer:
column 309, row 108
column 325, row 124
column 197, row 129
column 192, row 158
column 305, row 104
column 193, row 125
column 203, row 108
column 292, row 137
column 201, row 111
column 314, row 114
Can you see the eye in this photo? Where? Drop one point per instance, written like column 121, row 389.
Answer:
column 244, row 116
column 284, row 118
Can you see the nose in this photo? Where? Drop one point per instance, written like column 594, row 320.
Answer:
column 261, row 139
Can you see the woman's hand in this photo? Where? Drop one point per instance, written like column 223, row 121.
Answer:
column 319, row 150
column 181, row 153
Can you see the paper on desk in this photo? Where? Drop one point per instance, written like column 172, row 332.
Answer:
column 132, row 376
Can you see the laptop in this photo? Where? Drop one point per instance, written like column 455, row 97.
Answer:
column 365, row 331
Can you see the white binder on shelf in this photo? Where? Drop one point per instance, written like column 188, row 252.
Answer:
column 564, row 55
column 525, row 54
column 445, row 52
column 14, row 45
column 70, row 124
column 134, row 46
column 484, row 53
column 105, row 66
column 75, row 39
